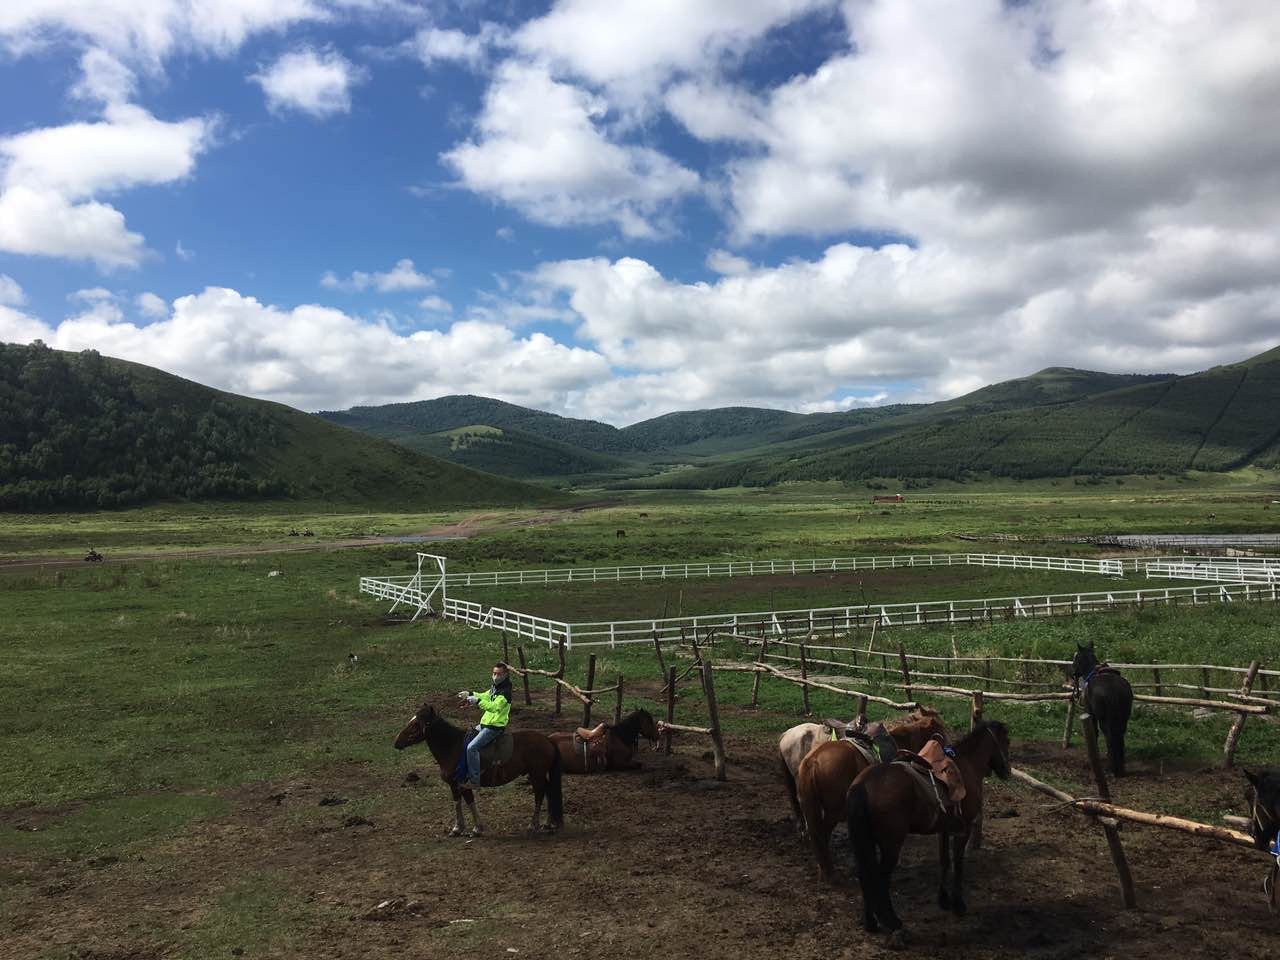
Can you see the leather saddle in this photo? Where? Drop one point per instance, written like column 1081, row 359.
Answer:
column 593, row 745
column 937, row 774
column 874, row 742
column 499, row 751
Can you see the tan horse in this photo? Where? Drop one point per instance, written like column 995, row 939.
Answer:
column 826, row 772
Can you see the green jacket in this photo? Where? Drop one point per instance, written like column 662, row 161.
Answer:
column 497, row 709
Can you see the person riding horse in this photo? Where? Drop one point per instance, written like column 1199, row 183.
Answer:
column 496, row 704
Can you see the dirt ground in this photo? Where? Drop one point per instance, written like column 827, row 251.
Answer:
column 662, row 862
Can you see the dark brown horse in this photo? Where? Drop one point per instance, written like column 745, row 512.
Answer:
column 826, row 772
column 623, row 741
column 887, row 802
column 1107, row 697
column 1263, row 795
column 532, row 754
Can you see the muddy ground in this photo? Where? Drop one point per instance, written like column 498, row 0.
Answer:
column 663, row 862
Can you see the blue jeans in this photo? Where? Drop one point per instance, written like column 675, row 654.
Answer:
column 482, row 739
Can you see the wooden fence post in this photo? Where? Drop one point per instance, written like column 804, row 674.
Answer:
column 1112, row 834
column 671, row 709
column 755, row 681
column 662, row 663
column 559, row 673
column 1070, row 721
column 1155, row 675
column 697, row 652
column 906, row 672
column 860, row 718
column 975, row 715
column 1237, row 726
column 717, row 741
column 506, row 653
column 804, row 675
column 617, row 706
column 591, row 685
column 1204, row 682
column 525, row 669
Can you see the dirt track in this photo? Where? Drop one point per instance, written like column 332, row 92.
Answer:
column 662, row 862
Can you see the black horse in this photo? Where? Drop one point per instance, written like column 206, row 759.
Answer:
column 1108, row 698
column 1263, row 795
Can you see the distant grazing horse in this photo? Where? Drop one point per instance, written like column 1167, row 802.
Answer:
column 623, row 740
column 1263, row 795
column 620, row 534
column 824, row 774
column 887, row 802
column 1108, row 698
column 532, row 754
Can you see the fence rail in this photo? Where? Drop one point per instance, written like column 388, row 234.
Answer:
column 757, row 568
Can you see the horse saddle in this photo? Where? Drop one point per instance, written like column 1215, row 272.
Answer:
column 1097, row 671
column 499, row 751
column 593, row 744
column 938, row 774
column 874, row 743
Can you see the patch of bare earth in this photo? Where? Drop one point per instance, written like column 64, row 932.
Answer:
column 662, row 862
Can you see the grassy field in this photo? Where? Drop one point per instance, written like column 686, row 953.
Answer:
column 150, row 704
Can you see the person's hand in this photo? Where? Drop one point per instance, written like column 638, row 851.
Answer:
column 463, row 695
column 473, row 700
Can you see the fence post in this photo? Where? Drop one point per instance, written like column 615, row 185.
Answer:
column 1155, row 675
column 506, row 653
column 591, row 685
column 804, row 676
column 717, row 741
column 755, row 681
column 906, row 672
column 559, row 674
column 671, row 709
column 975, row 715
column 528, row 701
column 860, row 718
column 617, row 707
column 1233, row 735
column 1204, row 682
column 1071, row 717
column 1113, row 835
column 662, row 663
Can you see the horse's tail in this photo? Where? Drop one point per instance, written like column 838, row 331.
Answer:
column 1115, row 742
column 555, row 795
column 789, row 781
column 862, row 839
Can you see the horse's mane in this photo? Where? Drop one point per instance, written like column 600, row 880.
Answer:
column 628, row 731
column 970, row 738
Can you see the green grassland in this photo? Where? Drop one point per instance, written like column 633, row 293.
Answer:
column 145, row 700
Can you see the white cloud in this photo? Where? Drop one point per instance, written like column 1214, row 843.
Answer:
column 52, row 175
column 152, row 305
column 11, row 293
column 403, row 276
column 433, row 45
column 436, row 304
column 315, row 82
column 844, row 404
column 182, row 252
column 726, row 263
column 505, row 233
column 540, row 148
column 104, row 78
column 91, row 295
column 319, row 358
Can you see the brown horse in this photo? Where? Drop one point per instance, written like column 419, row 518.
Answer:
column 623, row 739
column 825, row 773
column 888, row 802
column 532, row 754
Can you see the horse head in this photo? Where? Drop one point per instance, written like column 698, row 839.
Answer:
column 415, row 731
column 917, row 728
column 1263, row 794
column 1084, row 661
column 999, row 734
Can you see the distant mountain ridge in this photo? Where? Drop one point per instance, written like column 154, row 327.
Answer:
column 1059, row 421
column 83, row 430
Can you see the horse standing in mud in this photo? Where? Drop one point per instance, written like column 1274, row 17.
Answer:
column 824, row 773
column 621, row 743
column 532, row 754
column 888, row 801
column 1108, row 698
column 1263, row 795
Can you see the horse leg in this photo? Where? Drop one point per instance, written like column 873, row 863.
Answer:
column 944, row 869
column 539, row 790
column 470, row 797
column 459, row 824
column 820, row 836
column 959, row 842
column 789, row 781
column 865, row 855
column 890, row 849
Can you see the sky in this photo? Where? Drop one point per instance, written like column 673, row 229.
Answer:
column 618, row 208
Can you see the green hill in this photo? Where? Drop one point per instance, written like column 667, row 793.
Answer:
column 1217, row 420
column 82, row 430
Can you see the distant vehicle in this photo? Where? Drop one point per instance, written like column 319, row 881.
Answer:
column 93, row 556
column 891, row 498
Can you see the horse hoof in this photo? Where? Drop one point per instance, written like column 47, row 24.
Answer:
column 476, row 832
column 897, row 939
column 455, row 832
column 960, row 908
column 944, row 900
column 871, row 925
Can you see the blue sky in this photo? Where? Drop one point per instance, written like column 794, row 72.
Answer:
column 617, row 210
